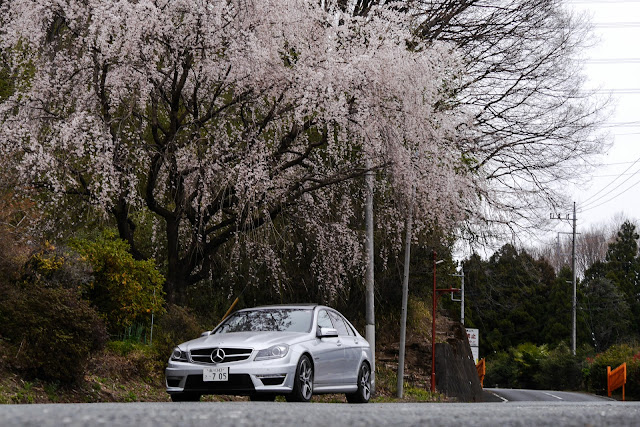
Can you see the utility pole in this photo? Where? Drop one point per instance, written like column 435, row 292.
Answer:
column 573, row 279
column 462, row 296
column 370, row 323
column 461, row 300
column 405, row 296
column 573, row 273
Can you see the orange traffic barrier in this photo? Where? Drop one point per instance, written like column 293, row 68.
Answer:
column 616, row 379
column 481, row 367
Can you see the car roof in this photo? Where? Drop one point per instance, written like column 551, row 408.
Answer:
column 301, row 306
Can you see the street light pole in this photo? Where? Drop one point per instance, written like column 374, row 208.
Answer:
column 461, row 300
column 573, row 270
column 405, row 296
column 370, row 323
column 433, row 328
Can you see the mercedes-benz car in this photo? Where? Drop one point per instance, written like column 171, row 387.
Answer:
column 291, row 350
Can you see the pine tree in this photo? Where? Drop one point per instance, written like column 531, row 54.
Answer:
column 622, row 266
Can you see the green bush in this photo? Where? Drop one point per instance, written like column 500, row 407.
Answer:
column 124, row 290
column 614, row 356
column 517, row 367
column 50, row 329
column 176, row 326
column 501, row 371
column 528, row 358
column 535, row 367
column 560, row 370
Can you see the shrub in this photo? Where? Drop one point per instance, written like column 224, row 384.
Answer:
column 535, row 367
column 52, row 331
column 124, row 290
column 52, row 266
column 560, row 370
column 501, row 371
column 46, row 325
column 176, row 326
column 125, row 359
column 614, row 356
column 528, row 358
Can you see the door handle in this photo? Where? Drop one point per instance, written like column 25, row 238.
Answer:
column 338, row 343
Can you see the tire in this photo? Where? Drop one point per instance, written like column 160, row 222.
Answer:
column 363, row 394
column 185, row 397
column 262, row 397
column 302, row 382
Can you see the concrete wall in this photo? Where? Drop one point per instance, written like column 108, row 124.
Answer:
column 456, row 374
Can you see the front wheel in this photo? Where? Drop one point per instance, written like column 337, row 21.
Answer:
column 303, row 382
column 363, row 394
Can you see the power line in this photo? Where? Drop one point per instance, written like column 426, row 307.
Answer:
column 612, row 164
column 616, row 25
column 610, row 199
column 626, row 133
column 600, row 1
column 610, row 175
column 613, row 60
column 612, row 91
column 586, row 203
column 622, row 124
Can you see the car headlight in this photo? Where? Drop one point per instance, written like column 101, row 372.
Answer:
column 179, row 355
column 275, row 352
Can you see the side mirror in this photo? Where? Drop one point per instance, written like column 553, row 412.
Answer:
column 205, row 334
column 327, row 333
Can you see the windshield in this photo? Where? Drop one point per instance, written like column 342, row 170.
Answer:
column 268, row 320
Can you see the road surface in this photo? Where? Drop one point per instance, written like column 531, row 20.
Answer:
column 516, row 395
column 220, row 414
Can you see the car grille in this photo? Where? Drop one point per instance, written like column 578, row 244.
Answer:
column 204, row 355
column 238, row 384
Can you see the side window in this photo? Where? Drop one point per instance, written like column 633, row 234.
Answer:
column 341, row 326
column 323, row 319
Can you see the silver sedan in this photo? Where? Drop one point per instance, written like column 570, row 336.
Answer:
column 291, row 350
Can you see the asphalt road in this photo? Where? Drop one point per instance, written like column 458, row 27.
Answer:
column 516, row 395
column 598, row 413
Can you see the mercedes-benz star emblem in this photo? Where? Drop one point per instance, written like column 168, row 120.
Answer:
column 217, row 355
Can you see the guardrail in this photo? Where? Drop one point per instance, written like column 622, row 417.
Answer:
column 616, row 379
column 481, row 367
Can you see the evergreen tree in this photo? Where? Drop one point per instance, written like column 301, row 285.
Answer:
column 606, row 312
column 507, row 298
column 622, row 268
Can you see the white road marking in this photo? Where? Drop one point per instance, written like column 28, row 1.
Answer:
column 552, row 395
column 497, row 395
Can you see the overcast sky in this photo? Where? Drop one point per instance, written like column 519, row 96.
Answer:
column 614, row 64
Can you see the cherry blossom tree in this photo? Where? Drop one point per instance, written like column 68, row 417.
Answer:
column 216, row 118
column 534, row 127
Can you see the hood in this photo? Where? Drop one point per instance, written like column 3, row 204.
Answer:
column 255, row 340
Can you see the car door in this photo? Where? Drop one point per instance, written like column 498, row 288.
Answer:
column 328, row 355
column 349, row 366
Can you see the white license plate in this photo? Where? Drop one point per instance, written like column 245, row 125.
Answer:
column 215, row 374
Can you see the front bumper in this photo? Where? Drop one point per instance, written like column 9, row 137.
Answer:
column 245, row 378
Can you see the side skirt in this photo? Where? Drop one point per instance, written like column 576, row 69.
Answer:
column 334, row 389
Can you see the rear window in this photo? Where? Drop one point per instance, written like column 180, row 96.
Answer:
column 267, row 320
